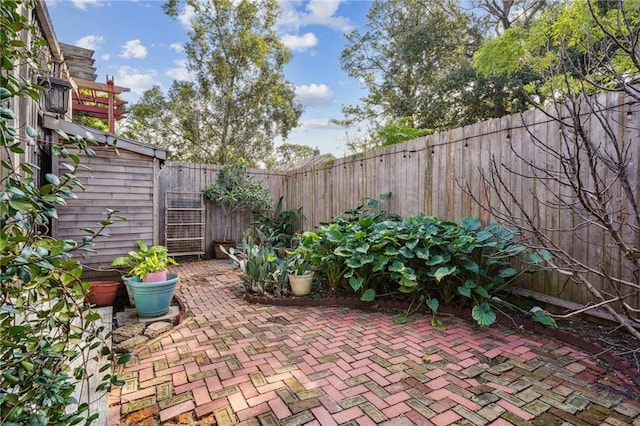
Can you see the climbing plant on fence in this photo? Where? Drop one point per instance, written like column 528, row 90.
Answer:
column 45, row 323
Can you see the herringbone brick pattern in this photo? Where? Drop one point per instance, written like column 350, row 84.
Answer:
column 237, row 363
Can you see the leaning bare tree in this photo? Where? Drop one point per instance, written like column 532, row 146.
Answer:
column 587, row 170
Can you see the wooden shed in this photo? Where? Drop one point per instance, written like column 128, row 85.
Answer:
column 124, row 177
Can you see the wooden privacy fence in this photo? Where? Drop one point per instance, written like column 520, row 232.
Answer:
column 190, row 179
column 442, row 175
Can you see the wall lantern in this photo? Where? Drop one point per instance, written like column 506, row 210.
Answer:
column 56, row 96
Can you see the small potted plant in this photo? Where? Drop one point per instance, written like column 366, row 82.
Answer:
column 150, row 284
column 232, row 191
column 300, row 274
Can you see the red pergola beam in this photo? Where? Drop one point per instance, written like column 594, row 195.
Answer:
column 97, row 111
column 108, row 110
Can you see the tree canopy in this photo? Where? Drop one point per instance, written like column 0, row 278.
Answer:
column 239, row 99
column 414, row 61
column 570, row 44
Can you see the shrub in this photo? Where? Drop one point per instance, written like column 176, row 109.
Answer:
column 262, row 271
column 422, row 257
column 45, row 323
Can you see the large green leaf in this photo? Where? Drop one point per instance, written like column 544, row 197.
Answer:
column 470, row 223
column 482, row 292
column 390, row 251
column 543, row 318
column 470, row 265
column 354, row 262
column 368, row 295
column 397, row 266
column 407, row 252
column 483, row 314
column 422, row 253
column 356, row 283
column 444, row 271
column 435, row 260
column 464, row 291
column 507, row 272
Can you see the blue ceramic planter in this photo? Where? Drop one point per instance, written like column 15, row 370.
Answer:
column 152, row 299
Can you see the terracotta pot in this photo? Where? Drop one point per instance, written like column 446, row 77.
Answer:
column 155, row 277
column 301, row 285
column 103, row 293
column 227, row 244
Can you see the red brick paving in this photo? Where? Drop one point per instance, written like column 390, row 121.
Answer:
column 236, row 363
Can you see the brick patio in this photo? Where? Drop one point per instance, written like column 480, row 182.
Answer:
column 237, row 363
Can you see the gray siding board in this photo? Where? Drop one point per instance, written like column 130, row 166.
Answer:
column 120, row 180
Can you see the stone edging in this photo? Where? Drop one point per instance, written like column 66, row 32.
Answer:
column 617, row 364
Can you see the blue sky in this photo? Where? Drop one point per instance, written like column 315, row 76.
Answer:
column 140, row 46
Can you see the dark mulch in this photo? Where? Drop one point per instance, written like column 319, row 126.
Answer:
column 614, row 340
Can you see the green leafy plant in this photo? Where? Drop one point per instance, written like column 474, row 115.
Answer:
column 341, row 251
column 277, row 227
column 47, row 330
column 296, row 263
column 234, row 190
column 262, row 271
column 427, row 259
column 147, row 259
column 320, row 252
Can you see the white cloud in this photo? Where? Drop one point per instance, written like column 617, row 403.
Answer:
column 317, row 124
column 314, row 94
column 105, row 57
column 82, row 4
column 133, row 49
column 136, row 80
column 316, row 12
column 180, row 72
column 91, row 42
column 177, row 47
column 300, row 43
column 185, row 16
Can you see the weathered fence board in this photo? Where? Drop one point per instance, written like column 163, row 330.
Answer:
column 443, row 175
column 176, row 176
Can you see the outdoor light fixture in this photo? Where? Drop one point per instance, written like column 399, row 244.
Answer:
column 56, row 97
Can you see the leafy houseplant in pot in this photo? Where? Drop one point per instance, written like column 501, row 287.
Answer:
column 300, row 274
column 232, row 191
column 150, row 284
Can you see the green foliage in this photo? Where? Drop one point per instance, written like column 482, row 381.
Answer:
column 147, row 259
column 414, row 61
column 573, row 46
column 407, row 49
column 277, row 227
column 422, row 257
column 296, row 263
column 45, row 323
column 234, row 189
column 262, row 271
column 319, row 250
column 288, row 154
column 400, row 130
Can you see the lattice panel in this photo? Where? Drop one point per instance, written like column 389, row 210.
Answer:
column 184, row 223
